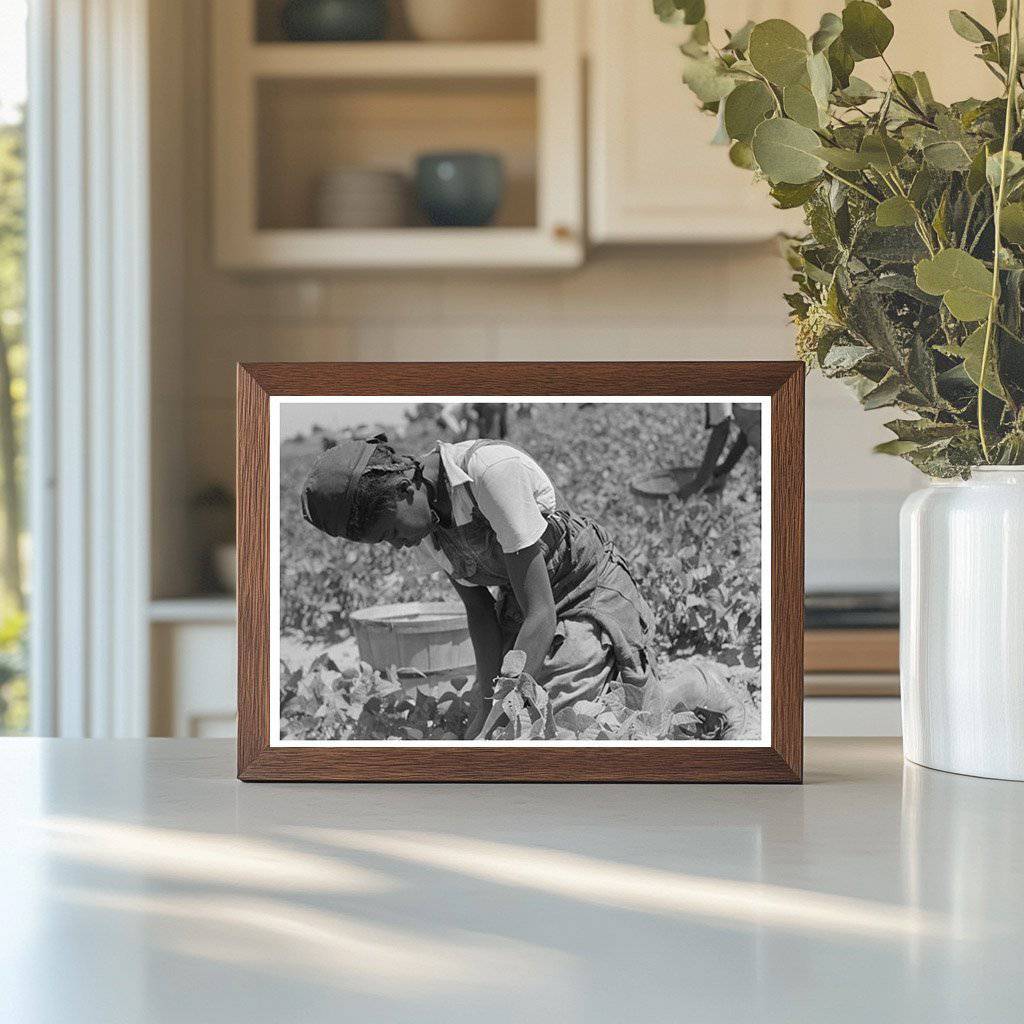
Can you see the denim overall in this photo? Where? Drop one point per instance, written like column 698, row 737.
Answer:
column 589, row 580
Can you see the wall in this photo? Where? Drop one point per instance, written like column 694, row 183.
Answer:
column 651, row 303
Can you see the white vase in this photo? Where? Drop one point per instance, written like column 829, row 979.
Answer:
column 962, row 624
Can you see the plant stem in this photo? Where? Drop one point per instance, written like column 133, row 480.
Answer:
column 1011, row 107
column 853, row 185
column 910, row 102
column 896, row 186
column 775, row 98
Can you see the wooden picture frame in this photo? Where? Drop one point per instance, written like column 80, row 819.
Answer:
column 779, row 759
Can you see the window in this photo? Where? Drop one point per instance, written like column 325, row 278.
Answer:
column 14, row 696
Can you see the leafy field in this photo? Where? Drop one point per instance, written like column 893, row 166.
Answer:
column 697, row 562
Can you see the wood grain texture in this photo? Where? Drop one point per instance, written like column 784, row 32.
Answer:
column 780, row 762
column 253, row 538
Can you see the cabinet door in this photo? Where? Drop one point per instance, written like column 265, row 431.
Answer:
column 654, row 177
column 653, row 174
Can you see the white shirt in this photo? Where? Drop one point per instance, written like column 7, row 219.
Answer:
column 511, row 490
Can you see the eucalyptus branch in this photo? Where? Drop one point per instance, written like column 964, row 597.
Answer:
column 852, row 184
column 909, row 100
column 995, row 71
column 1011, row 109
column 771, row 90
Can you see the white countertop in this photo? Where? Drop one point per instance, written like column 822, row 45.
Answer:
column 140, row 882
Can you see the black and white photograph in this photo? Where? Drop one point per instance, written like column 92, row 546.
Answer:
column 523, row 570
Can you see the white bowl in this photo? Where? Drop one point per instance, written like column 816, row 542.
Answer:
column 362, row 198
column 470, row 20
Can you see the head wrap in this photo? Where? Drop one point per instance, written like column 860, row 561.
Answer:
column 330, row 488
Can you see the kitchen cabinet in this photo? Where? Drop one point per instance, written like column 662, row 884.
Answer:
column 288, row 114
column 192, row 647
column 653, row 175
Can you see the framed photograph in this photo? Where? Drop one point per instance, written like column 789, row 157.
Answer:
column 575, row 572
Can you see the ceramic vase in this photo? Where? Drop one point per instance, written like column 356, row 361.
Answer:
column 962, row 624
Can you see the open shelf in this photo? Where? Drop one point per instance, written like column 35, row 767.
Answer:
column 308, row 127
column 520, row 22
column 387, row 60
column 410, row 248
column 287, row 114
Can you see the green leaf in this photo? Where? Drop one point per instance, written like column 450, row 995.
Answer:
column 999, row 9
column 844, row 159
column 971, row 352
column 801, row 106
column 739, row 41
column 963, row 281
column 788, row 196
column 741, row 155
column 922, row 185
column 701, row 33
column 779, row 51
column 884, row 394
column 921, row 370
column 665, row 10
column 923, row 431
column 819, row 74
column 993, row 167
column 895, row 447
column 890, row 245
column 939, row 220
column 905, row 84
column 857, row 91
column 895, row 212
column 829, row 30
column 947, row 156
column 976, row 173
column 1012, row 223
column 745, row 108
column 969, row 28
column 841, row 63
column 868, row 319
column 693, row 10
column 883, row 152
column 707, row 78
column 866, row 29
column 786, row 151
column 924, row 88
column 690, row 12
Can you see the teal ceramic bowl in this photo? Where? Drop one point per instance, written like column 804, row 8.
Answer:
column 334, row 21
column 460, row 189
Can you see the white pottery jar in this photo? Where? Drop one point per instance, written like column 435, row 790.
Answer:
column 962, row 624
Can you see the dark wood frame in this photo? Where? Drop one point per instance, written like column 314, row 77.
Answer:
column 782, row 761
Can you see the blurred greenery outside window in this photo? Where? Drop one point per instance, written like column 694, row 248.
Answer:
column 14, row 538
